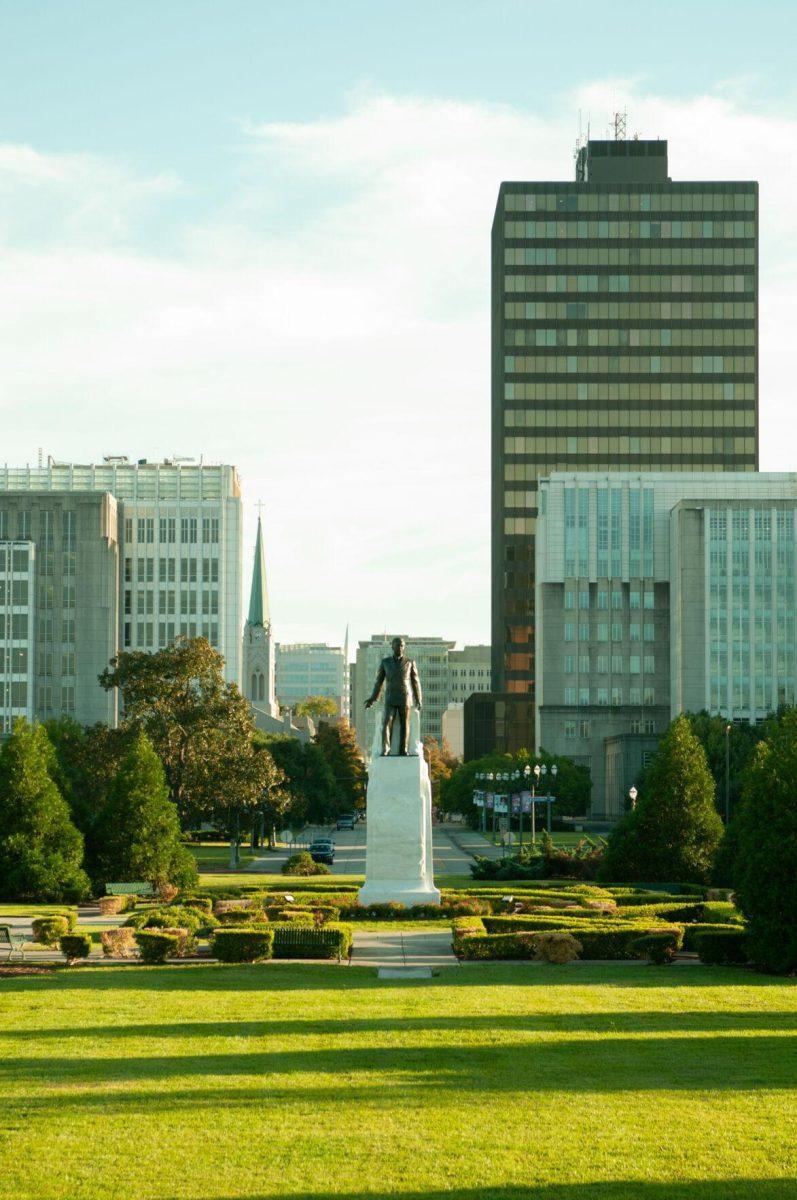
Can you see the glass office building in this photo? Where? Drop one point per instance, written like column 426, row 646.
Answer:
column 624, row 337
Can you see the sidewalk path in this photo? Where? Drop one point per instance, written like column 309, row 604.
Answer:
column 403, row 948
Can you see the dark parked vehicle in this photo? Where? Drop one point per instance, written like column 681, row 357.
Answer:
column 346, row 821
column 322, row 851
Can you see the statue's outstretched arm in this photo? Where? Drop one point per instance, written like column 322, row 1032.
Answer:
column 380, row 679
column 416, row 686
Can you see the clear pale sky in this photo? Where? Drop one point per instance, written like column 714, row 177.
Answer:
column 260, row 232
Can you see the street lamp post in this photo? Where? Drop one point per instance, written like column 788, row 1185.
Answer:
column 537, row 769
column 516, row 785
column 526, row 777
column 633, row 793
column 727, row 773
column 490, row 778
column 554, row 773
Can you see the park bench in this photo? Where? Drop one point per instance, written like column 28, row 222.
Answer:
column 129, row 889
column 12, row 943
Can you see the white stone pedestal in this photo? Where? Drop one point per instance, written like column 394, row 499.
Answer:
column 398, row 852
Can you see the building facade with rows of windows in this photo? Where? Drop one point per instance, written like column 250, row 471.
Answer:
column 17, row 646
column 134, row 554
column 624, row 337
column 658, row 594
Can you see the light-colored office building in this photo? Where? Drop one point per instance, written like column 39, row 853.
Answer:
column 71, row 602
column 173, row 530
column 659, row 594
column 307, row 669
column 468, row 672
column 431, row 657
column 17, row 628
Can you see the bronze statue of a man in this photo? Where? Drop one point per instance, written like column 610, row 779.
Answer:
column 403, row 688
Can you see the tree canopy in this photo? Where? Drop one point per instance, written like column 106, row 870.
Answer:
column 200, row 726
column 344, row 757
column 138, row 830
column 317, row 708
column 572, row 786
column 764, row 832
column 41, row 850
column 673, row 833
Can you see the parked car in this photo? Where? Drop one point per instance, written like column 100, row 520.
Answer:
column 346, row 821
column 322, row 851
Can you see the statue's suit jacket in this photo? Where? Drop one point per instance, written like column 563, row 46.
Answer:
column 402, row 685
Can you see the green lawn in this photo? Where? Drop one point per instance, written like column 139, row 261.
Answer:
column 213, row 856
column 488, row 1082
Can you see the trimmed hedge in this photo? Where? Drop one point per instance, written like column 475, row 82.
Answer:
column 75, row 946
column 155, row 946
column 658, row 948
column 245, row 944
column 48, row 931
column 599, row 940
column 723, row 947
column 721, row 912
column 308, row 941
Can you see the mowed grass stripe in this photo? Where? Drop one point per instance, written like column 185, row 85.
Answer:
column 219, row 1083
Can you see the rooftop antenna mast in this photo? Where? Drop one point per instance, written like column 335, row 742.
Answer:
column 619, row 124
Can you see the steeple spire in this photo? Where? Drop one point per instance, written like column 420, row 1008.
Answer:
column 258, row 597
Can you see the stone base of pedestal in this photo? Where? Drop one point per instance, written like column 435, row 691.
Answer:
column 398, row 853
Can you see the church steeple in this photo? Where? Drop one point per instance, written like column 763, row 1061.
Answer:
column 258, row 648
column 258, row 597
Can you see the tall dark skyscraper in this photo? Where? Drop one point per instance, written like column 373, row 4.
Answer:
column 624, row 337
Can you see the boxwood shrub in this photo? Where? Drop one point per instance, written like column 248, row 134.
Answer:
column 693, row 932
column 156, row 945
column 244, row 944
column 659, row 948
column 721, row 912
column 308, row 941
column 723, row 947
column 610, row 939
column 75, row 946
column 48, row 931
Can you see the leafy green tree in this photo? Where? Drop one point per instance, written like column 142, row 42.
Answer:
column 317, row 708
column 41, row 851
column 571, row 787
column 441, row 761
column 675, row 829
column 765, row 833
column 338, row 743
column 138, row 830
column 309, row 781
column 200, row 726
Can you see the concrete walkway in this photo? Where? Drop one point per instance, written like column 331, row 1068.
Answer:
column 410, row 948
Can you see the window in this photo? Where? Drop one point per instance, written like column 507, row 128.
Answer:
column 617, row 664
column 569, row 631
column 603, row 632
column 188, row 530
column 633, row 631
column 649, row 696
column 617, row 631
column 650, row 727
column 128, row 530
column 570, row 598
column 23, row 526
column 210, row 530
column 603, row 600
column 633, row 599
column 583, row 696
column 649, row 663
column 603, row 696
column 583, row 664
column 166, row 529
column 617, row 695
column 583, row 632
column 617, row 599
column 583, row 600
column 634, row 664
column 584, row 729
column 570, row 729
column 569, row 664
column 649, row 631
column 649, row 600
column 601, row 664
column 570, row 695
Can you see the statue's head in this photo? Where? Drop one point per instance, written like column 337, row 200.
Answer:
column 398, row 646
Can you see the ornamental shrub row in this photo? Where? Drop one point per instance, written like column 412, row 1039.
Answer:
column 723, row 947
column 253, row 943
column 75, row 946
column 607, row 940
column 48, row 931
column 659, row 948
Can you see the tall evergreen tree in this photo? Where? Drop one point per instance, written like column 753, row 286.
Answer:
column 675, row 829
column 41, row 851
column 765, row 834
column 138, row 830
